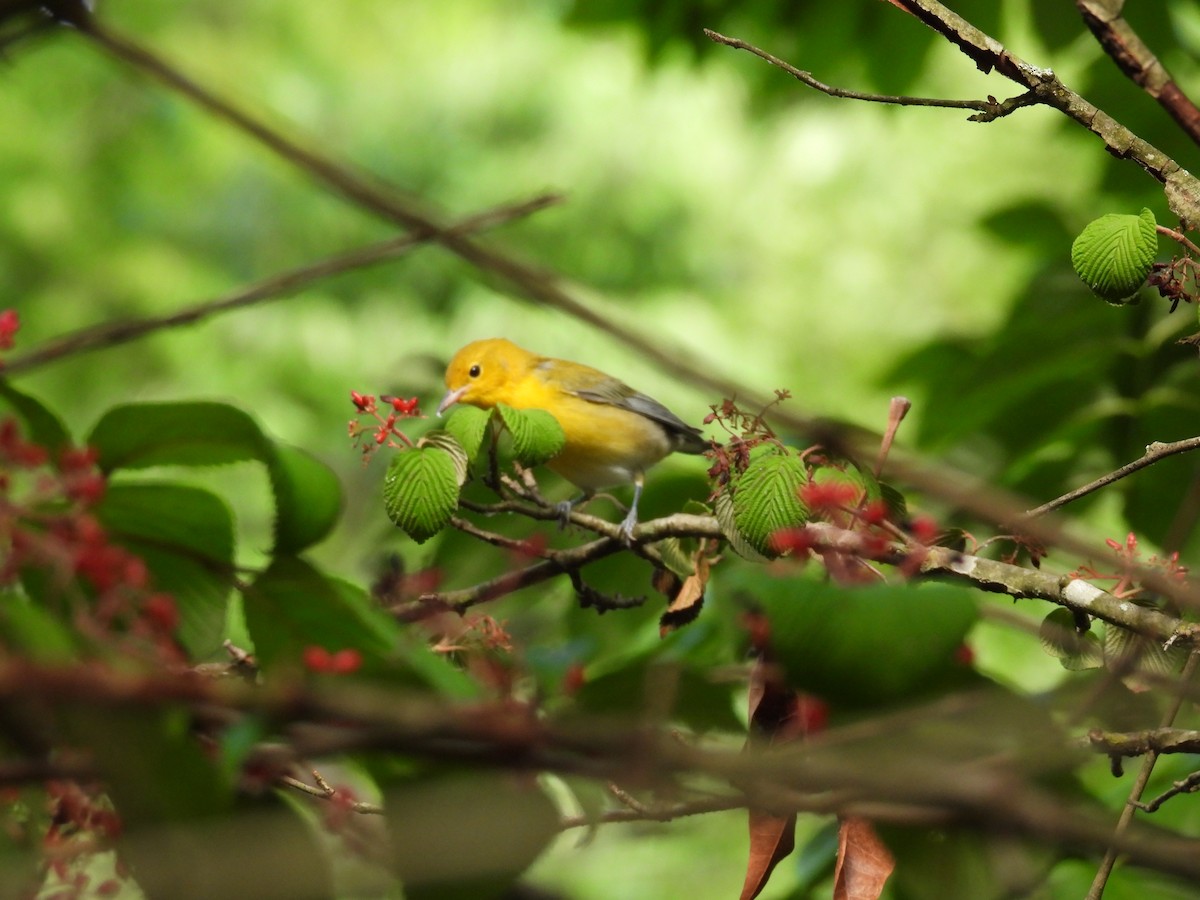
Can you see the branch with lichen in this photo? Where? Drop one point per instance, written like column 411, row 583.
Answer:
column 1042, row 87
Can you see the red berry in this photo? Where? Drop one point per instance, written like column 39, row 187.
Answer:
column 317, row 658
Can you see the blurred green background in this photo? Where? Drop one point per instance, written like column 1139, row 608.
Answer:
column 845, row 251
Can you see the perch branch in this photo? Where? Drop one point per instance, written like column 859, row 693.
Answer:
column 558, row 562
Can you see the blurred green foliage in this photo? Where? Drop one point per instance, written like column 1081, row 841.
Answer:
column 842, row 250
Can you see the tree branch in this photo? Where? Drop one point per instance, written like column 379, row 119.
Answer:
column 1139, row 786
column 1154, row 452
column 558, row 562
column 964, row 781
column 988, row 109
column 1138, row 62
column 1139, row 743
column 1182, row 189
column 112, row 334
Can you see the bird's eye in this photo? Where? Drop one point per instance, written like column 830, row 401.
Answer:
column 473, row 371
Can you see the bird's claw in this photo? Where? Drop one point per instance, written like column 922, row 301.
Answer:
column 625, row 529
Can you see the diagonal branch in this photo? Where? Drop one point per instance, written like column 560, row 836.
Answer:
column 112, row 334
column 1138, row 62
column 372, row 194
column 1182, row 189
column 1154, row 452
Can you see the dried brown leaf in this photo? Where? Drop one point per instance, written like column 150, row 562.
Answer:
column 864, row 862
column 771, row 839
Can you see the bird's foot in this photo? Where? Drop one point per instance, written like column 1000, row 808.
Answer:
column 563, row 509
column 625, row 529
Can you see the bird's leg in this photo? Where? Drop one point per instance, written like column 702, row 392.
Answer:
column 563, row 508
column 631, row 517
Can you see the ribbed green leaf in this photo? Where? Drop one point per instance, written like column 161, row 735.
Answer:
column 536, row 434
column 765, row 499
column 420, row 491
column 723, row 510
column 1113, row 254
column 447, row 442
column 468, row 425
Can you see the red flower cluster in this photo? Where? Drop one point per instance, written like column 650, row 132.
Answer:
column 47, row 526
column 367, row 436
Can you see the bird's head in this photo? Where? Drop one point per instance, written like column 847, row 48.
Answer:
column 483, row 371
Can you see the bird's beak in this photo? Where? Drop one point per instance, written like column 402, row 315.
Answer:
column 451, row 398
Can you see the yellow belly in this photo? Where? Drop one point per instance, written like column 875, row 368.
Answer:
column 605, row 445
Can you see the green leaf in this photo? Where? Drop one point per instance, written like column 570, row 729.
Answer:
column 34, row 631
column 765, row 499
column 1062, row 640
column 185, row 536
column 291, row 606
column 420, row 491
column 308, row 497
column 187, row 434
column 1113, row 254
column 468, row 425
column 467, row 837
column 723, row 510
column 868, row 645
column 536, row 434
column 41, row 425
column 685, row 693
column 445, row 441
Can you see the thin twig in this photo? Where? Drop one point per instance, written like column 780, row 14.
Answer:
column 990, row 108
column 1154, row 452
column 111, row 334
column 655, row 814
column 326, row 792
column 1139, row 786
column 1182, row 189
column 1188, row 785
column 1179, row 238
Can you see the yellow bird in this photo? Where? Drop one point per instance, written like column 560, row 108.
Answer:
column 613, row 433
